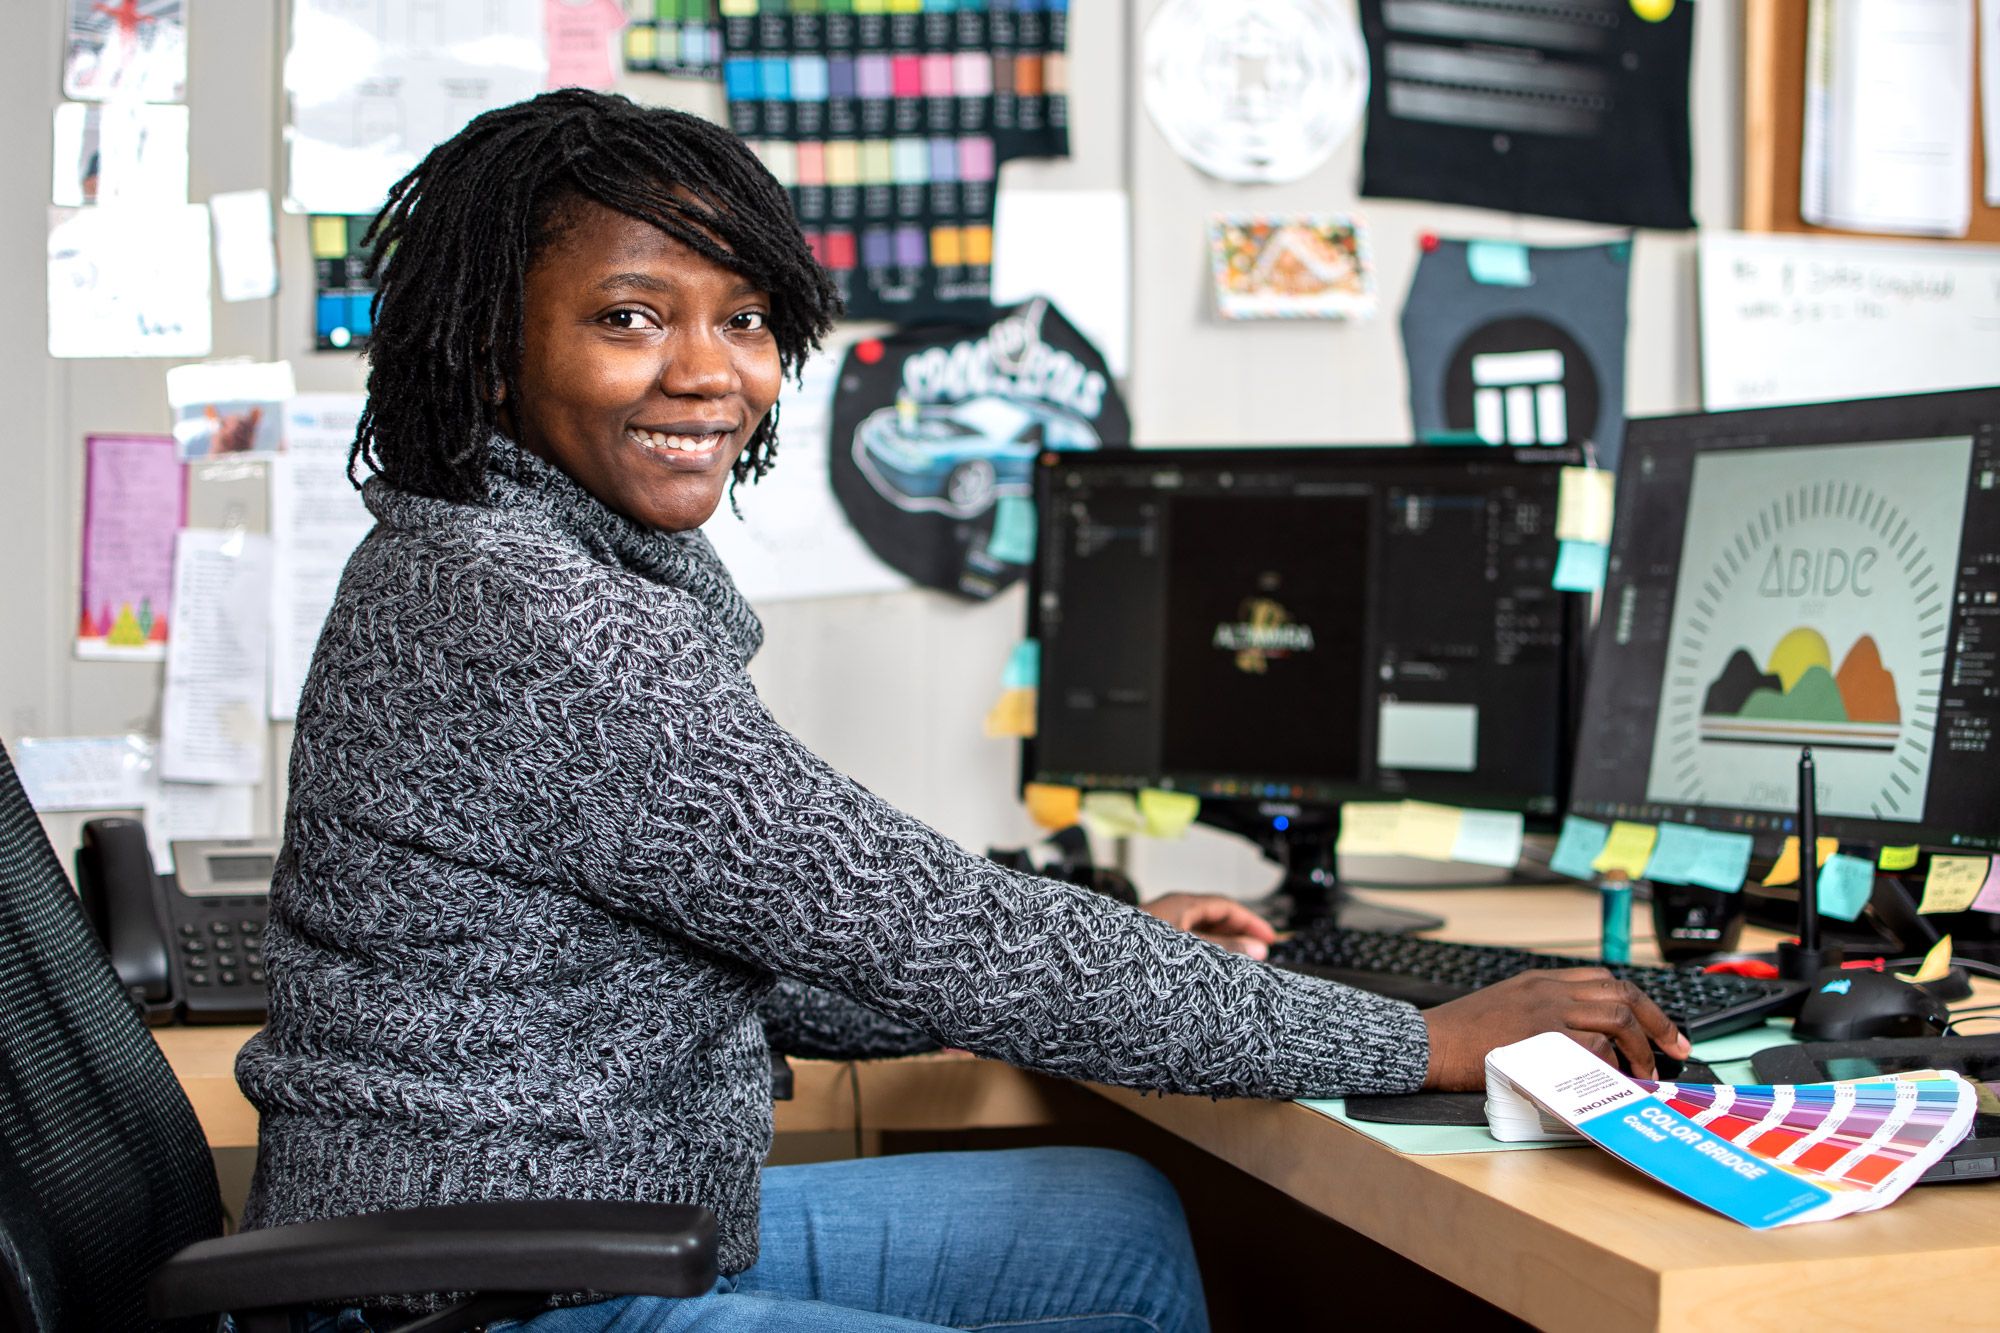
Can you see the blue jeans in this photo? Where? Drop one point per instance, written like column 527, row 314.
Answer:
column 1060, row 1240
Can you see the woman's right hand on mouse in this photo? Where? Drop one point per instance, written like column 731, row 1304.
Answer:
column 1607, row 1016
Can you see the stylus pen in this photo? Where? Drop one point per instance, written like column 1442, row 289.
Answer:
column 1808, row 854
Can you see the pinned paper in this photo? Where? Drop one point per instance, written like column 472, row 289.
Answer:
column 1898, row 858
column 1167, row 813
column 1844, row 885
column 1051, row 806
column 1580, row 566
column 1024, row 666
column 120, row 153
column 1489, row 838
column 85, row 772
column 1012, row 715
column 1577, row 848
column 213, row 721
column 1112, row 813
column 1426, row 830
column 1368, row 828
column 129, row 281
column 1013, row 535
column 1786, row 869
column 1936, row 965
column 1953, row 882
column 1724, row 862
column 246, row 257
column 1499, row 263
column 134, row 501
column 582, row 36
column 1584, row 502
column 1628, row 847
column 230, row 407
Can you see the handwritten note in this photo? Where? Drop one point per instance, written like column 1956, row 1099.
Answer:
column 1954, row 882
column 1577, row 847
column 1627, row 849
column 1786, row 869
column 129, row 281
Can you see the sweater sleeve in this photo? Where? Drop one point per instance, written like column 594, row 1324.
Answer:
column 748, row 844
column 820, row 1024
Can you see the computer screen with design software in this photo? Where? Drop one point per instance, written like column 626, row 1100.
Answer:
column 1280, row 630
column 1825, row 575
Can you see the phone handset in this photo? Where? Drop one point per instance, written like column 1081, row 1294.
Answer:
column 121, row 897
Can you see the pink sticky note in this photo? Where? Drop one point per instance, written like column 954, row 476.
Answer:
column 582, row 35
column 1989, row 892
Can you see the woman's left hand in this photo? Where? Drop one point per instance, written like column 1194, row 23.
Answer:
column 1222, row 921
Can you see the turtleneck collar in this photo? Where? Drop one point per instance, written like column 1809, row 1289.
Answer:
column 519, row 480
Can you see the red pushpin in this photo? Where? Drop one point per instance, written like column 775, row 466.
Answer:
column 1427, row 242
column 868, row 351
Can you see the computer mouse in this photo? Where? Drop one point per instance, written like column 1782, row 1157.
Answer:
column 1852, row 1004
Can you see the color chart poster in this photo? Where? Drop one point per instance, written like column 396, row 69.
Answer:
column 1812, row 608
column 888, row 124
column 935, row 435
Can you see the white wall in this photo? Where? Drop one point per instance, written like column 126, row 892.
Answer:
column 891, row 688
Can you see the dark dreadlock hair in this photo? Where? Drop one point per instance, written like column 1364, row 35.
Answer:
column 453, row 245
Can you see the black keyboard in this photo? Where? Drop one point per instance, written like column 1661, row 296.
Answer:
column 1428, row 972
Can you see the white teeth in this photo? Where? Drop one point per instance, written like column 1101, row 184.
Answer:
column 652, row 439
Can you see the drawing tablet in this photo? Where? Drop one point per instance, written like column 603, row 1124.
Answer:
column 1977, row 1058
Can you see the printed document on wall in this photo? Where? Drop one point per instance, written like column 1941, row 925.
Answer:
column 1888, row 116
column 129, row 281
column 375, row 86
column 213, row 720
column 317, row 519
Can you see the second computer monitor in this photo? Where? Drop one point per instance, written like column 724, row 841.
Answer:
column 1278, row 631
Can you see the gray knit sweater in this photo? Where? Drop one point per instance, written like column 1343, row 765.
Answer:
column 546, row 853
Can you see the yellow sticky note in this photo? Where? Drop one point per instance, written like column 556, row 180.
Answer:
column 1936, row 965
column 1898, row 858
column 1628, row 849
column 1051, row 806
column 329, row 237
column 1427, row 830
column 1167, row 813
column 1112, row 813
column 1584, row 498
column 1368, row 828
column 1012, row 715
column 1953, row 882
column 1786, row 871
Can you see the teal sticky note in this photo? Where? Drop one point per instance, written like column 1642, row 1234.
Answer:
column 1675, row 853
column 1464, row 437
column 1844, row 885
column 1499, row 263
column 1013, row 535
column 1024, row 666
column 1580, row 566
column 1581, row 841
column 1723, row 863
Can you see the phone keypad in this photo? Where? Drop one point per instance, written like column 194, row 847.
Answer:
column 230, row 953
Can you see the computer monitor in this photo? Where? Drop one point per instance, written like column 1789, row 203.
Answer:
column 1277, row 631
column 1825, row 575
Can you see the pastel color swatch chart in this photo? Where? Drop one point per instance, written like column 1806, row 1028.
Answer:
column 1842, row 1136
column 887, row 121
column 673, row 37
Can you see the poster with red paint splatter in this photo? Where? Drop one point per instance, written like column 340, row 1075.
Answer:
column 134, row 501
column 133, row 50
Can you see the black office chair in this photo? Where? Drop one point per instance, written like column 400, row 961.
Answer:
column 109, row 1213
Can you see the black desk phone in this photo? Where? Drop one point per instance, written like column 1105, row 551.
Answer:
column 189, row 947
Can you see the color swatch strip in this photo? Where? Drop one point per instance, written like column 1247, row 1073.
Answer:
column 887, row 121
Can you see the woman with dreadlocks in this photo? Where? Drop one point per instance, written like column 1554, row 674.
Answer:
column 547, row 857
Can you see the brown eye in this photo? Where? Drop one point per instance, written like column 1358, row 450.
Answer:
column 750, row 321
column 628, row 319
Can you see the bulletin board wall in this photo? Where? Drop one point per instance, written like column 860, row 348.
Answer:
column 888, row 687
column 1774, row 82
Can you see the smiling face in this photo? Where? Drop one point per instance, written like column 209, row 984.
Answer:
column 645, row 367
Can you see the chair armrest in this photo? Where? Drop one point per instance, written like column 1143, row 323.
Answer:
column 500, row 1245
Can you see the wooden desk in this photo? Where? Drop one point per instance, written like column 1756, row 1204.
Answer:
column 1573, row 1239
column 1563, row 1238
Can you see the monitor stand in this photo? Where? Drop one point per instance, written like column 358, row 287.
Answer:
column 1311, row 890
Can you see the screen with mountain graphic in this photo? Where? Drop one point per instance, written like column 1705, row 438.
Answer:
column 1812, row 607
